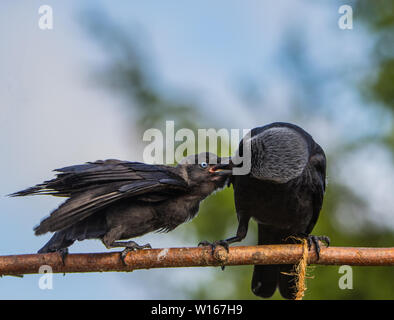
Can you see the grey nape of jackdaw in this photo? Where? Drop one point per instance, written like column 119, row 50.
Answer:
column 283, row 193
column 116, row 200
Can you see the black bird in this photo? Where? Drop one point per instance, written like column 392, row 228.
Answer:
column 283, row 193
column 116, row 200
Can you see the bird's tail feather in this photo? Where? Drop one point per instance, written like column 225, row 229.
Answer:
column 266, row 278
column 287, row 281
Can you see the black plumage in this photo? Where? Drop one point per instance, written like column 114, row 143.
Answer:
column 283, row 193
column 116, row 200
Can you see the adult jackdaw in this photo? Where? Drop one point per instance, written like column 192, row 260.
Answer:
column 116, row 200
column 283, row 193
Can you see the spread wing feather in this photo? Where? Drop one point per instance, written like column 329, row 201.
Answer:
column 93, row 186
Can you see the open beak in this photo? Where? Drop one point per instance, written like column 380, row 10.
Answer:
column 222, row 169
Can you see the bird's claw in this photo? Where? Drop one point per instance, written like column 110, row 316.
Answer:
column 133, row 247
column 214, row 244
column 315, row 240
column 124, row 253
column 63, row 254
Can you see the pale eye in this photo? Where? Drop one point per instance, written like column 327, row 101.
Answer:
column 203, row 165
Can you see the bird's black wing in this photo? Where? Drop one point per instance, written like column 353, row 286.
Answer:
column 317, row 167
column 93, row 186
column 80, row 178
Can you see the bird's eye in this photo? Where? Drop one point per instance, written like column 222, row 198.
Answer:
column 203, row 165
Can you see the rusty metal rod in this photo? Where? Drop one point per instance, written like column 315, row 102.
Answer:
column 194, row 257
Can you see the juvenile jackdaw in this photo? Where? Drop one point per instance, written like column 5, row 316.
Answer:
column 283, row 193
column 116, row 200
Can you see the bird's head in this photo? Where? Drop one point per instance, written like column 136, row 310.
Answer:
column 278, row 152
column 202, row 173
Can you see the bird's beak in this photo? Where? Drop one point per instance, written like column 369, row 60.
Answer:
column 222, row 169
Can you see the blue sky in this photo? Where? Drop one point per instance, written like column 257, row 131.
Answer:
column 53, row 115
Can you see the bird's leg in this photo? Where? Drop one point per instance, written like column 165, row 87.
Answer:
column 127, row 245
column 241, row 234
column 63, row 254
column 315, row 240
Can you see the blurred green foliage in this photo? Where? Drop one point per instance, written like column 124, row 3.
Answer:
column 130, row 72
column 378, row 16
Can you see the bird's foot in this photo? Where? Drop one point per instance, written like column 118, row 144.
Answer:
column 214, row 244
column 311, row 239
column 132, row 246
column 63, row 254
